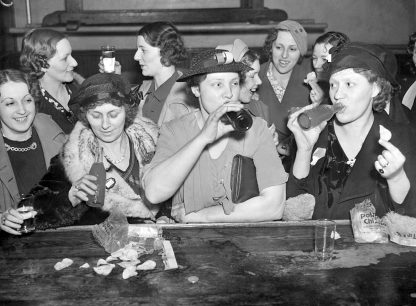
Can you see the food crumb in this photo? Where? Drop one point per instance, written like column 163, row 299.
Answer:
column 193, row 279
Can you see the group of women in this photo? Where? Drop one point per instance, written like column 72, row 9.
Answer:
column 169, row 142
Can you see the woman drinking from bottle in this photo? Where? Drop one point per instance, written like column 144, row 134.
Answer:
column 195, row 154
column 361, row 153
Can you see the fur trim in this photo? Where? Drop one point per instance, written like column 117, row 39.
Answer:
column 78, row 157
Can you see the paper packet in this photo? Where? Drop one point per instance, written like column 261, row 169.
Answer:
column 402, row 229
column 366, row 226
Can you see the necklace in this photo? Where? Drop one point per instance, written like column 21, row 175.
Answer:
column 123, row 156
column 33, row 146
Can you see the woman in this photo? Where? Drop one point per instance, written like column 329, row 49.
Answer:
column 283, row 74
column 410, row 96
column 320, row 55
column 47, row 55
column 194, row 154
column 27, row 143
column 348, row 160
column 160, row 49
column 106, row 119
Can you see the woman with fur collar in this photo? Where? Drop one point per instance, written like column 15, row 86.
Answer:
column 107, row 120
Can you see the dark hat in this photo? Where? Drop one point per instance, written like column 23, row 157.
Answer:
column 99, row 87
column 211, row 61
column 361, row 55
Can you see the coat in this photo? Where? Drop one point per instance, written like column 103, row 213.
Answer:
column 51, row 137
column 296, row 95
column 75, row 160
column 364, row 182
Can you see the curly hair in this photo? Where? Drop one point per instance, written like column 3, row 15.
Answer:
column 268, row 43
column 334, row 38
column 386, row 89
column 167, row 38
column 13, row 75
column 38, row 46
column 411, row 43
column 248, row 59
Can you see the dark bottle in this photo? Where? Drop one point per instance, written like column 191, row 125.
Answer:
column 313, row 117
column 241, row 120
column 98, row 170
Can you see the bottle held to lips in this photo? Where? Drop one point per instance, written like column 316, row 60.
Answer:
column 98, row 170
column 109, row 58
column 313, row 117
column 241, row 120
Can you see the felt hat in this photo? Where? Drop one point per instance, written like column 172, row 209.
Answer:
column 211, row 61
column 238, row 49
column 365, row 56
column 298, row 32
column 99, row 87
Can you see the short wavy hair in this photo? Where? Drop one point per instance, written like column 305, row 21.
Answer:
column 17, row 76
column 268, row 43
column 248, row 59
column 386, row 89
column 167, row 38
column 38, row 46
column 336, row 39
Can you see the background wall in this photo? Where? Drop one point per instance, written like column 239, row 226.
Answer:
column 376, row 21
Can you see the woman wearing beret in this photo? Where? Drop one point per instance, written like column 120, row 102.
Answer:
column 106, row 119
column 195, row 153
column 351, row 159
column 47, row 56
column 27, row 143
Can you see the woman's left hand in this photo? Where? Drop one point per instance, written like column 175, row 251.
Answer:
column 390, row 162
column 11, row 221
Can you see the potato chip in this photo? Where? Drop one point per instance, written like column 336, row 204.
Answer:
column 85, row 266
column 129, row 272
column 385, row 134
column 147, row 265
column 310, row 77
column 101, row 262
column 110, row 258
column 64, row 263
column 126, row 264
column 104, row 269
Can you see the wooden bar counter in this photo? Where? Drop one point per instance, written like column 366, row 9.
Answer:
column 233, row 264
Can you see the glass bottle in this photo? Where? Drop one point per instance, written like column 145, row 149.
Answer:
column 98, row 170
column 313, row 117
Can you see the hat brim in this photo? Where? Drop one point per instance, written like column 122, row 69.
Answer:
column 232, row 67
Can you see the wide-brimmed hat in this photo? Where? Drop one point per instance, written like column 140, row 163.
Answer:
column 99, row 87
column 238, row 49
column 211, row 61
column 361, row 55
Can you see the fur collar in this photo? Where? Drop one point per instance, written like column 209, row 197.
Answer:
column 77, row 158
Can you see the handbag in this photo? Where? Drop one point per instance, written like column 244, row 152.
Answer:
column 243, row 179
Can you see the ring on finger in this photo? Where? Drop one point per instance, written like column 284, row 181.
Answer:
column 76, row 187
column 381, row 171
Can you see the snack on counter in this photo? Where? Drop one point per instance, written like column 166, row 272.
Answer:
column 385, row 134
column 299, row 208
column 402, row 229
column 366, row 226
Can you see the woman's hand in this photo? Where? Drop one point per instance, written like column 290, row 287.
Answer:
column 81, row 189
column 11, row 220
column 117, row 66
column 390, row 165
column 305, row 139
column 213, row 128
column 316, row 94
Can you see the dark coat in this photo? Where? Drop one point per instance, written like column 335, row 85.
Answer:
column 364, row 181
column 296, row 95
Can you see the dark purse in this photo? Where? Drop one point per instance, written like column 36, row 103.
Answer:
column 243, row 179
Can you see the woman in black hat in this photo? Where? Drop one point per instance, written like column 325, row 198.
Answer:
column 351, row 159
column 106, row 119
column 195, row 153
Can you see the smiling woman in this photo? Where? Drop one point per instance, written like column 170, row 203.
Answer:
column 47, row 55
column 27, row 143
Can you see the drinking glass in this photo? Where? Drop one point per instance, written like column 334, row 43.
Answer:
column 26, row 210
column 108, row 54
column 325, row 231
